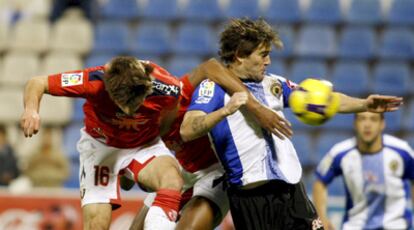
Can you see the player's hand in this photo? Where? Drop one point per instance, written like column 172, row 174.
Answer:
column 271, row 121
column 327, row 225
column 381, row 103
column 236, row 101
column 30, row 122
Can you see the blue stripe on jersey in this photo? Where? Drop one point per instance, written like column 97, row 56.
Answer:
column 408, row 215
column 227, row 152
column 286, row 93
column 272, row 171
column 348, row 203
column 335, row 169
column 96, row 75
column 374, row 188
column 209, row 97
column 408, row 162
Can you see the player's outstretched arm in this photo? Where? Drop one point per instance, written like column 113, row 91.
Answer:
column 320, row 196
column 197, row 123
column 266, row 117
column 373, row 103
column 33, row 92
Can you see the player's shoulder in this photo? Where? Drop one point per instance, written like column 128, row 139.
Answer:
column 397, row 143
column 162, row 75
column 163, row 83
column 343, row 147
column 281, row 79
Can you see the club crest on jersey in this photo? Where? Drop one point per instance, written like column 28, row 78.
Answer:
column 71, row 79
column 394, row 165
column 205, row 92
column 276, row 89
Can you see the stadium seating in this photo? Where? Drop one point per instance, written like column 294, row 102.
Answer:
column 12, row 74
column 56, row 110
column 397, row 43
column 328, row 139
column 180, row 65
column 340, row 122
column 202, row 10
column 242, row 8
column 72, row 34
column 287, row 36
column 120, row 10
column 357, row 43
column 111, row 37
column 409, row 119
column 30, row 36
column 4, row 37
column 282, row 11
column 323, row 11
column 161, row 10
column 392, row 78
column 394, row 121
column 151, row 38
column 367, row 12
column 316, row 42
column 401, row 12
column 71, row 134
column 60, row 62
column 9, row 99
column 304, row 148
column 97, row 59
column 303, row 69
column 351, row 78
column 194, row 39
column 277, row 67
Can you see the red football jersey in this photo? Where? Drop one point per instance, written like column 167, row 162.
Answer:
column 193, row 155
column 103, row 118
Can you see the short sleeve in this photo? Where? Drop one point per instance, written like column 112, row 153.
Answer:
column 328, row 169
column 207, row 97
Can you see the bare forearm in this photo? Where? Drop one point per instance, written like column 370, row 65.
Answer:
column 351, row 104
column 33, row 92
column 197, row 124
column 320, row 198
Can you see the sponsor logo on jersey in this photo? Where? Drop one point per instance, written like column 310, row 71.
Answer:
column 205, row 92
column 170, row 90
column 71, row 79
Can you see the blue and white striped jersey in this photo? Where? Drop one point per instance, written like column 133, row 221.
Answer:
column 247, row 152
column 377, row 185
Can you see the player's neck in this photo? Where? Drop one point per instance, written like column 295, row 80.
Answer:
column 237, row 70
column 370, row 147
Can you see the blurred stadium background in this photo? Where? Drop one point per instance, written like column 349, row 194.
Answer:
column 362, row 46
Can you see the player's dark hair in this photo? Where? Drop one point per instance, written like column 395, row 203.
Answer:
column 127, row 80
column 242, row 36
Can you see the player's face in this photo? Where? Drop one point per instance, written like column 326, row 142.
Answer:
column 254, row 66
column 368, row 126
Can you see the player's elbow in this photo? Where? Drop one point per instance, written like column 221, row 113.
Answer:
column 186, row 134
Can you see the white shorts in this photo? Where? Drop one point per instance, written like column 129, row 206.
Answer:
column 101, row 165
column 202, row 183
